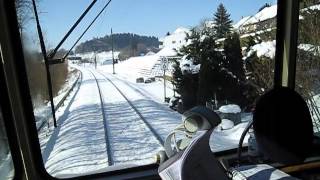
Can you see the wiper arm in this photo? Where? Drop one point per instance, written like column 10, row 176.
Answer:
column 105, row 6
column 53, row 52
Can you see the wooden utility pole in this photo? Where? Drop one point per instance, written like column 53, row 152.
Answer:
column 112, row 53
column 95, row 60
column 164, row 84
column 164, row 62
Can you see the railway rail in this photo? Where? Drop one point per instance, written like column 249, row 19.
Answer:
column 110, row 137
column 154, row 132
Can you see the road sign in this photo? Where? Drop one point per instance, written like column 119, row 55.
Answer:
column 164, row 60
column 164, row 66
column 164, row 63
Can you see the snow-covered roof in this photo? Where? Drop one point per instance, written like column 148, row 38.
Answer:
column 180, row 30
column 231, row 108
column 240, row 23
column 174, row 41
column 264, row 14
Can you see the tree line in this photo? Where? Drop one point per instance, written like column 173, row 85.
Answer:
column 127, row 43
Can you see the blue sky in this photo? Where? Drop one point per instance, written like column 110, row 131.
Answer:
column 145, row 17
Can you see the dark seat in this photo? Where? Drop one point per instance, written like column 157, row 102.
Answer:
column 283, row 126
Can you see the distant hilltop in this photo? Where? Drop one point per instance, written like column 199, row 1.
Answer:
column 127, row 44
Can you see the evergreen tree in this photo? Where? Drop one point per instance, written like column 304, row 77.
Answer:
column 234, row 67
column 205, row 82
column 260, row 70
column 232, row 51
column 177, row 77
column 189, row 91
column 210, row 79
column 223, row 23
column 250, row 41
column 188, row 86
column 193, row 50
column 185, row 84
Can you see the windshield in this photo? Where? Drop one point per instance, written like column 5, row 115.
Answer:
column 119, row 84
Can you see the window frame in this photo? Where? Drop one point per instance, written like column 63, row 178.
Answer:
column 18, row 112
column 286, row 43
column 9, row 128
column 5, row 105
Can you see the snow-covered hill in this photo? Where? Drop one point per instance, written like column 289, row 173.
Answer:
column 150, row 64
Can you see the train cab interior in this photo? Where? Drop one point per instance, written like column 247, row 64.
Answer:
column 282, row 121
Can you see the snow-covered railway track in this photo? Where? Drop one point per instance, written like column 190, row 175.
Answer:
column 157, row 114
column 105, row 125
column 154, row 132
column 130, row 139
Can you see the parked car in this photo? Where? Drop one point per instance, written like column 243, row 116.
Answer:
column 140, row 80
column 148, row 81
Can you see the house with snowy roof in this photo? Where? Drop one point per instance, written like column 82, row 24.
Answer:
column 264, row 19
column 170, row 43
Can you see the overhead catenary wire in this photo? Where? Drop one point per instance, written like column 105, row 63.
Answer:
column 53, row 53
column 76, row 42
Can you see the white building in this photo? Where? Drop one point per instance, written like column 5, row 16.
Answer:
column 173, row 42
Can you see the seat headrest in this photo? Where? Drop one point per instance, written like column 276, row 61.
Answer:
column 283, row 126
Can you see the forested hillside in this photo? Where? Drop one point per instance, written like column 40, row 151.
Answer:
column 128, row 44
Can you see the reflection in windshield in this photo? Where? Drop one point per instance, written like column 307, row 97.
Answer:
column 6, row 164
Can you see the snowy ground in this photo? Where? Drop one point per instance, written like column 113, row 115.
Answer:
column 43, row 112
column 84, row 143
column 78, row 144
